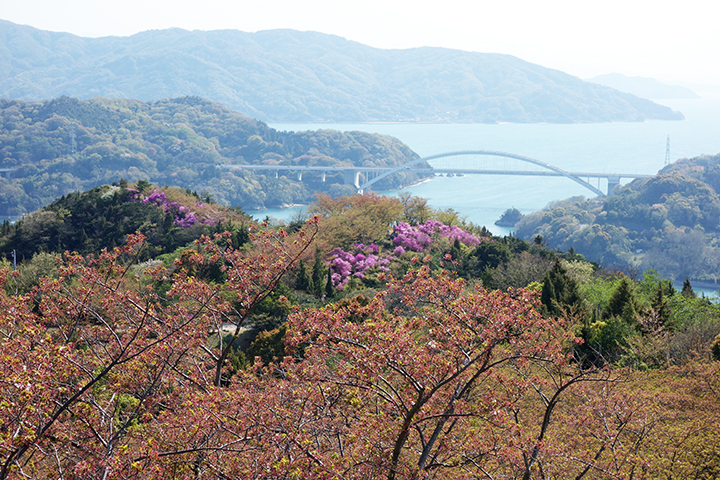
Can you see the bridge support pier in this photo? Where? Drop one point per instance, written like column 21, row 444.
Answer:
column 612, row 183
column 352, row 177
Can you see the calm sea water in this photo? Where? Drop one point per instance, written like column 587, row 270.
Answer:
column 599, row 148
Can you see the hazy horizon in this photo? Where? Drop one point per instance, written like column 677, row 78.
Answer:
column 639, row 38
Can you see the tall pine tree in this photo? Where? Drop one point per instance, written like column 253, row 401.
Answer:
column 317, row 275
column 560, row 294
column 329, row 287
column 303, row 281
column 623, row 303
column 687, row 290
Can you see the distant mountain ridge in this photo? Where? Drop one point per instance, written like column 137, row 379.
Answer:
column 292, row 76
column 644, row 87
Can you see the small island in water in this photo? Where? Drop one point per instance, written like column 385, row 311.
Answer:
column 509, row 218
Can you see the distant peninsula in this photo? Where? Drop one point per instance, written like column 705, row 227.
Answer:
column 51, row 148
column 644, row 87
column 669, row 222
column 292, row 76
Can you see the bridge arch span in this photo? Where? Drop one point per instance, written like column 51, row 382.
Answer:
column 515, row 156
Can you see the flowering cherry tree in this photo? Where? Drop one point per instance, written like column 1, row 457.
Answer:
column 99, row 353
column 431, row 381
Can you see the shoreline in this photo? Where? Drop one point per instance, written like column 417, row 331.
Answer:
column 420, row 182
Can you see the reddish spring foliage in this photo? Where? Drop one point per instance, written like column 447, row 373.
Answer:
column 105, row 376
column 103, row 354
column 428, row 380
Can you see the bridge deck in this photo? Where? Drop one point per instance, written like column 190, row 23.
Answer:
column 463, row 171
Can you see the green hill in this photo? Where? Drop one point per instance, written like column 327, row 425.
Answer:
column 291, row 76
column 670, row 222
column 65, row 145
column 103, row 216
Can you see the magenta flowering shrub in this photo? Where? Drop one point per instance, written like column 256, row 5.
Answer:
column 360, row 261
column 420, row 237
column 184, row 217
column 364, row 258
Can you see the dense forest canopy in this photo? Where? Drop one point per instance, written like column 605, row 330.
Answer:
column 378, row 339
column 291, row 76
column 64, row 145
column 670, row 223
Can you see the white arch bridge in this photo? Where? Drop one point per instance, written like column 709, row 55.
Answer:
column 374, row 174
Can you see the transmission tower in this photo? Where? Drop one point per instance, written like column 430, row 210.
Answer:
column 667, row 151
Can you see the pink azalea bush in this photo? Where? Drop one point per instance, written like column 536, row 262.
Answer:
column 405, row 238
column 183, row 216
column 420, row 237
column 358, row 262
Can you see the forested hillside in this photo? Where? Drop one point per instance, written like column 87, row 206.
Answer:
column 670, row 223
column 378, row 339
column 64, row 145
column 102, row 217
column 291, row 76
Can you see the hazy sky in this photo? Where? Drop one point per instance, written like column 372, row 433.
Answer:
column 673, row 41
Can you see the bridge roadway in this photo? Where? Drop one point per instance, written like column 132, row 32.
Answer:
column 468, row 171
column 464, row 171
column 351, row 173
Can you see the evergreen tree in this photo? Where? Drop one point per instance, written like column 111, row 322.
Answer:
column 603, row 341
column 83, row 240
column 241, row 235
column 303, row 281
column 623, row 303
column 317, row 274
column 587, row 352
column 660, row 303
column 456, row 251
column 560, row 292
column 143, row 186
column 485, row 256
column 715, row 348
column 329, row 288
column 687, row 290
column 548, row 297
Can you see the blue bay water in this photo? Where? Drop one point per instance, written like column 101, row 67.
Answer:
column 637, row 148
